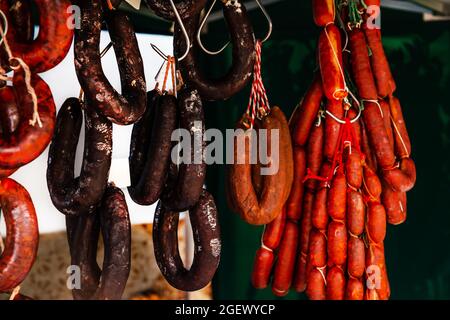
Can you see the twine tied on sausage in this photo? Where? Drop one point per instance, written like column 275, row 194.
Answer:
column 20, row 64
column 258, row 105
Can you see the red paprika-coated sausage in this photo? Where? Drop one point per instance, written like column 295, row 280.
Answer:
column 336, row 200
column 376, row 222
column 353, row 169
column 380, row 65
column 330, row 61
column 372, row 184
column 376, row 272
column 274, row 231
column 387, row 121
column 294, row 202
column 262, row 267
column 323, row 12
column 355, row 289
column 335, row 283
column 305, row 230
column 4, row 173
column 337, row 243
column 308, row 108
column 22, row 235
column 315, row 289
column 356, row 257
column 402, row 142
column 284, row 267
column 319, row 213
column 317, row 249
column 395, row 204
column 29, row 141
column 54, row 38
column 332, row 128
column 362, row 73
column 314, row 153
column 370, row 158
column 403, row 178
column 356, row 212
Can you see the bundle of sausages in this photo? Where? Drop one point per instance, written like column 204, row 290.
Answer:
column 27, row 120
column 352, row 168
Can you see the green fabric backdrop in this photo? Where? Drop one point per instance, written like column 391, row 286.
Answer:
column 417, row 252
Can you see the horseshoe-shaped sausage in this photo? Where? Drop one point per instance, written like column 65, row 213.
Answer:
column 125, row 108
column 185, row 186
column 70, row 195
column 28, row 141
column 54, row 38
column 206, row 231
column 185, row 8
column 243, row 41
column 150, row 148
column 22, row 235
column 113, row 220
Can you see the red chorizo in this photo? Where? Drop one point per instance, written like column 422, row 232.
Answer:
column 372, row 184
column 330, row 61
column 376, row 272
column 317, row 249
column 332, row 128
column 387, row 121
column 274, row 230
column 370, row 158
column 335, row 284
column 308, row 108
column 293, row 203
column 353, row 169
column 402, row 178
column 262, row 268
column 401, row 136
column 376, row 222
column 337, row 243
column 336, row 199
column 395, row 204
column 323, row 12
column 314, row 153
column 284, row 267
column 356, row 212
column 22, row 235
column 315, row 289
column 356, row 257
column 319, row 213
column 355, row 289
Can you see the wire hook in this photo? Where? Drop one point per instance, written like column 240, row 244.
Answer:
column 205, row 18
column 183, row 29
column 4, row 25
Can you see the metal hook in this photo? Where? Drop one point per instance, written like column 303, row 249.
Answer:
column 205, row 18
column 5, row 24
column 183, row 29
column 159, row 51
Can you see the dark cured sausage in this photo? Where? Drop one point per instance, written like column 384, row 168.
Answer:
column 307, row 112
column 206, row 231
column 125, row 108
column 22, row 235
column 185, row 187
column 28, row 142
column 330, row 61
column 21, row 20
column 113, row 220
column 276, row 185
column 323, row 12
column 240, row 72
column 54, row 38
column 150, row 148
column 70, row 195
column 9, row 114
column 185, row 8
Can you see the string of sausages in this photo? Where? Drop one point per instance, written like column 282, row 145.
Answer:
column 352, row 164
column 27, row 120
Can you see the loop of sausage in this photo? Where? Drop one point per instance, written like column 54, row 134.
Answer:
column 81, row 195
column 323, row 12
column 185, row 8
column 240, row 72
column 54, row 38
column 330, row 61
column 150, row 148
column 276, row 186
column 22, row 235
column 28, row 141
column 125, row 108
column 113, row 220
column 206, row 230
column 185, row 185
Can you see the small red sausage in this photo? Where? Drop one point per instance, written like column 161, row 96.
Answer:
column 274, row 230
column 403, row 178
column 293, row 204
column 323, row 12
column 284, row 267
column 356, row 212
column 353, row 169
column 356, row 257
column 395, row 204
column 335, row 284
column 336, row 200
column 337, row 243
column 332, row 128
column 401, row 136
column 317, row 249
column 376, row 222
column 316, row 290
column 355, row 289
column 261, row 268
column 372, row 184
